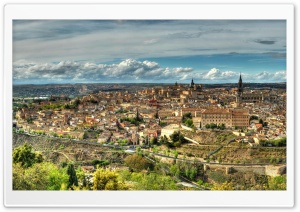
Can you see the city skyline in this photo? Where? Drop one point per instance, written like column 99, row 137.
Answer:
column 160, row 51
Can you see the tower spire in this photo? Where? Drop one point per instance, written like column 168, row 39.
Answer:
column 240, row 85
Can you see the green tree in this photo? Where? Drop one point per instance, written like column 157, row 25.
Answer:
column 107, row 180
column 189, row 122
column 40, row 176
column 253, row 117
column 73, row 181
column 153, row 140
column 178, row 137
column 138, row 163
column 25, row 156
column 221, row 126
column 186, row 116
column 213, row 126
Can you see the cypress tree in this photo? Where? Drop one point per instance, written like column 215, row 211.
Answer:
column 72, row 175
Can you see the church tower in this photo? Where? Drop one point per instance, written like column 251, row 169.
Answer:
column 240, row 86
column 192, row 84
column 239, row 91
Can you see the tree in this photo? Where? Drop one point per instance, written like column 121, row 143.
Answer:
column 253, row 118
column 189, row 122
column 153, row 140
column 178, row 137
column 221, row 126
column 76, row 103
column 72, row 175
column 40, row 176
column 138, row 163
column 261, row 121
column 226, row 186
column 213, row 126
column 25, row 156
column 67, row 106
column 186, row 116
column 163, row 139
column 107, row 180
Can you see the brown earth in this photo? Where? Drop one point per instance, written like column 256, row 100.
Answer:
column 57, row 150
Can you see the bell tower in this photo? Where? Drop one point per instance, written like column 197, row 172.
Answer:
column 239, row 91
column 240, row 86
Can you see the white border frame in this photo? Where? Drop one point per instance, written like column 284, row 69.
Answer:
column 147, row 198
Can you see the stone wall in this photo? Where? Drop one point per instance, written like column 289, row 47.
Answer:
column 258, row 169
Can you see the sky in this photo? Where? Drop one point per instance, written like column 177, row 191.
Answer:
column 148, row 51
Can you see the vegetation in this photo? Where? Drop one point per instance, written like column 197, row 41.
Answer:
column 188, row 120
column 73, row 181
column 218, row 176
column 102, row 163
column 278, row 143
column 122, row 111
column 277, row 183
column 138, row 163
column 214, row 126
column 151, row 181
column 178, row 139
column 52, row 106
column 32, row 173
column 107, row 180
column 226, row 186
column 265, row 124
column 25, row 156
column 153, row 140
column 40, row 176
column 253, row 117
column 134, row 121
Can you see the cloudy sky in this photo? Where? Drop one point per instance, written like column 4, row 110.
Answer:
column 153, row 51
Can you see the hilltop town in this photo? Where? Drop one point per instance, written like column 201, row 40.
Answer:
column 135, row 118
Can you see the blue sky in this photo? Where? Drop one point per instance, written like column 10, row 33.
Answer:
column 93, row 51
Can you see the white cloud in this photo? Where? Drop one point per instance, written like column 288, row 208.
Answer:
column 130, row 70
column 217, row 76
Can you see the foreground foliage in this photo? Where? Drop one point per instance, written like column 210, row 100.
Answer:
column 107, row 180
column 40, row 176
column 148, row 181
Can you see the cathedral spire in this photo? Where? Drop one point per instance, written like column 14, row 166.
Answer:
column 240, row 85
column 192, row 83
